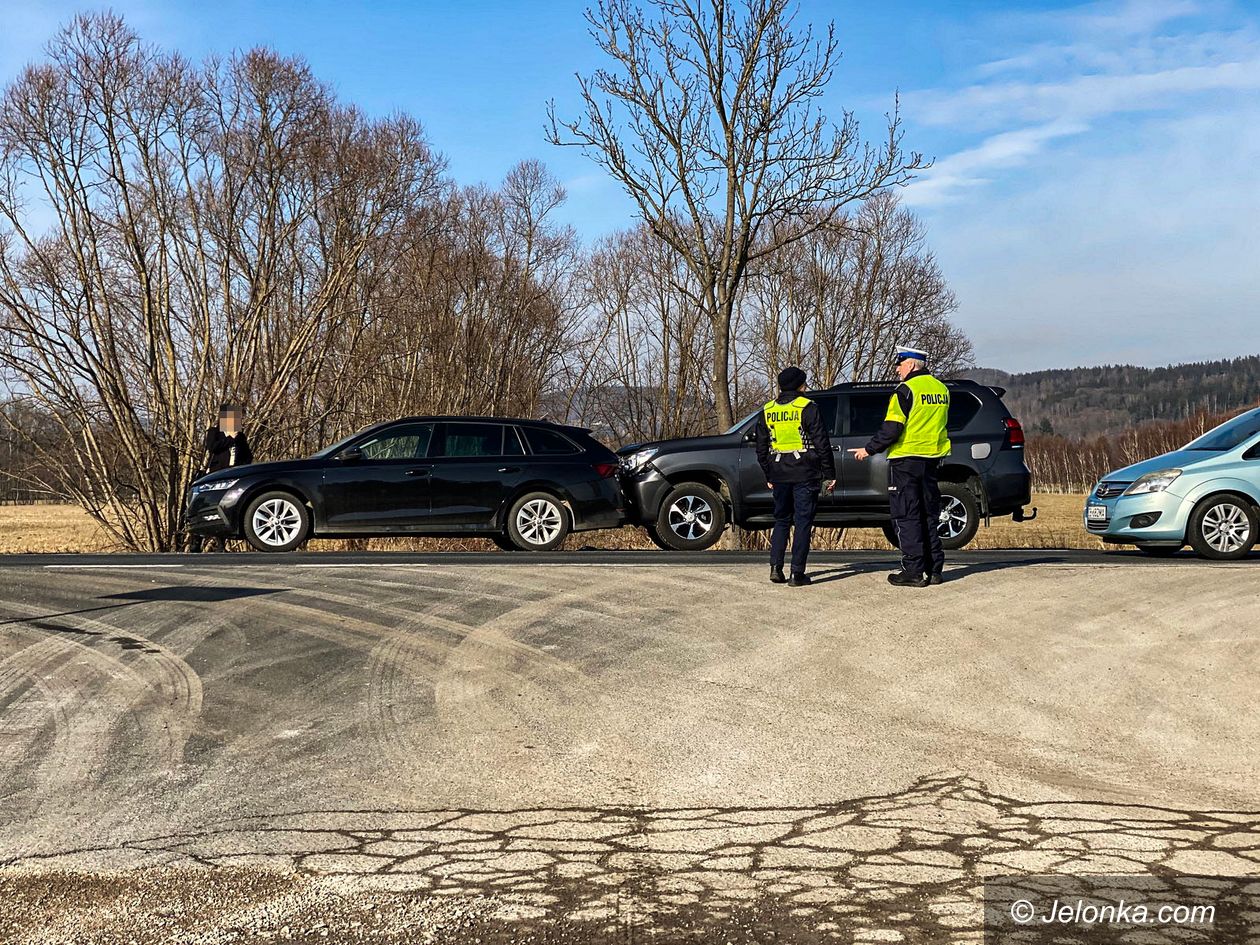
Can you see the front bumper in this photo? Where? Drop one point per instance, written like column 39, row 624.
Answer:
column 645, row 489
column 214, row 514
column 1170, row 514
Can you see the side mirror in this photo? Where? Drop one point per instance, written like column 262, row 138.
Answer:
column 751, row 436
column 351, row 454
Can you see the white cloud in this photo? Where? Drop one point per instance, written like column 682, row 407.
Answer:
column 1145, row 257
column 986, row 105
column 951, row 176
column 1098, row 203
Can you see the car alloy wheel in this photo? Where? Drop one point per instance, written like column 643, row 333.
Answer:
column 277, row 522
column 953, row 517
column 539, row 521
column 690, row 517
column 1225, row 528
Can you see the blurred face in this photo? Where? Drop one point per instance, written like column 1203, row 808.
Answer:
column 229, row 422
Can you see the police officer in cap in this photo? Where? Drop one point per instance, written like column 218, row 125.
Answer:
column 914, row 435
column 794, row 451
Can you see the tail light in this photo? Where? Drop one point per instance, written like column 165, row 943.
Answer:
column 606, row 470
column 1014, row 432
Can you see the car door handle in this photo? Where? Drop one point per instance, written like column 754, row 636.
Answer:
column 420, row 473
column 837, row 449
column 509, row 469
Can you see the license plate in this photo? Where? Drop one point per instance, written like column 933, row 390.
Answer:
column 1096, row 513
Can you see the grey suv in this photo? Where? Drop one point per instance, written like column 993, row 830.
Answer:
column 686, row 491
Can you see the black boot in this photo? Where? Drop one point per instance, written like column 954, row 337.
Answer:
column 934, row 578
column 799, row 580
column 776, row 575
column 902, row 579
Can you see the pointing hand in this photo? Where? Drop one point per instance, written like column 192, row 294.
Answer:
column 860, row 454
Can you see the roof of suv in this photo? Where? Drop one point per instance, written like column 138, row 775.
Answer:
column 889, row 385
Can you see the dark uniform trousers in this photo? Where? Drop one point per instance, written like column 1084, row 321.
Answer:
column 914, row 499
column 794, row 506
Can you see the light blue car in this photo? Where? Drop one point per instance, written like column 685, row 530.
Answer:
column 1207, row 493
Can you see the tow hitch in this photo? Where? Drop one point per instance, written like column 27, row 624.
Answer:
column 1022, row 515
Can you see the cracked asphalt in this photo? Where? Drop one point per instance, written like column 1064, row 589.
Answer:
column 238, row 750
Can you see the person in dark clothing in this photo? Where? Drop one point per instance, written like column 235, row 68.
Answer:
column 915, row 435
column 794, row 450
column 226, row 446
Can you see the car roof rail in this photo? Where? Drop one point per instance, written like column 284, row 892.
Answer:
column 860, row 385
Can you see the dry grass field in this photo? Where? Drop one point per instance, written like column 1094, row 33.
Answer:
column 26, row 529
column 49, row 528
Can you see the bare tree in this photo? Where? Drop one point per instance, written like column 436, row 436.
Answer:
column 837, row 302
column 199, row 234
column 708, row 118
column 648, row 344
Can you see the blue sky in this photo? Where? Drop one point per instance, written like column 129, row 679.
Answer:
column 1096, row 183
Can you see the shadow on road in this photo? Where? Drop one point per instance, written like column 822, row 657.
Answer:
column 191, row 594
column 953, row 571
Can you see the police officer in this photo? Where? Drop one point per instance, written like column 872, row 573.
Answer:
column 794, row 451
column 914, row 435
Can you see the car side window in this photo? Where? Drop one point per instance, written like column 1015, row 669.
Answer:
column 473, row 439
column 512, row 442
column 963, row 408
column 867, row 413
column 827, row 404
column 410, row 441
column 548, row 442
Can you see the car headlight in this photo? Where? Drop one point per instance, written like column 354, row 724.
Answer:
column 1157, row 481
column 638, row 459
column 214, row 486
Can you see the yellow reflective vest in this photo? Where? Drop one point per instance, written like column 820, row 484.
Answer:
column 784, row 423
column 923, row 433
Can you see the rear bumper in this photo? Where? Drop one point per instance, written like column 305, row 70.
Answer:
column 599, row 504
column 1008, row 483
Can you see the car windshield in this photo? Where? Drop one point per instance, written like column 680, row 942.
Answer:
column 1229, row 434
column 739, row 424
column 341, row 444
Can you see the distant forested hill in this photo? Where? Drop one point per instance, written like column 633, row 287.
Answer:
column 1082, row 402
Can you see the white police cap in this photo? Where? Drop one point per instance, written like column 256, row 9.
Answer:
column 905, row 351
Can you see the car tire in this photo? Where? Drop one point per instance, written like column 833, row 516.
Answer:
column 537, row 521
column 1222, row 528
column 960, row 504
column 655, row 537
column 1159, row 551
column 276, row 522
column 692, row 518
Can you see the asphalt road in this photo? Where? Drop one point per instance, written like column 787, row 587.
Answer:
column 965, row 560
column 392, row 748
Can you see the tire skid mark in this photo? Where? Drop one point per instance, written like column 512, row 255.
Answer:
column 401, row 666
column 159, row 680
column 71, row 718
